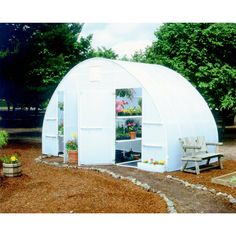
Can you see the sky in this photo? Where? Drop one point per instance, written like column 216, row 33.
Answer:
column 123, row 38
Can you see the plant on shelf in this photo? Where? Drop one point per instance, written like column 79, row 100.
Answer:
column 3, row 138
column 123, row 136
column 140, row 102
column 128, row 93
column 120, row 106
column 139, row 131
column 121, row 133
column 72, row 150
column 61, row 129
column 132, row 111
column 61, row 106
column 11, row 165
column 131, row 126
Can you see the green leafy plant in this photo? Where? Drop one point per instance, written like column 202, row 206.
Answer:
column 129, row 93
column 3, row 138
column 12, row 159
column 140, row 102
column 61, row 106
column 61, row 129
column 121, row 136
column 71, row 145
column 131, row 127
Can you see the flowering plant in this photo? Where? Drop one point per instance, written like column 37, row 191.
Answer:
column 152, row 161
column 131, row 127
column 120, row 106
column 12, row 159
column 71, row 145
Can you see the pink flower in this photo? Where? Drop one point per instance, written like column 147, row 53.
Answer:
column 120, row 105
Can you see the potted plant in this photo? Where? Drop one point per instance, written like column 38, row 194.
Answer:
column 11, row 165
column 132, row 130
column 120, row 106
column 72, row 150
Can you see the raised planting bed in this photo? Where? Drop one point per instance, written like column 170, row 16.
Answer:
column 226, row 180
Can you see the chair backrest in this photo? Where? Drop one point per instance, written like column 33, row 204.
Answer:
column 188, row 141
column 193, row 142
column 201, row 143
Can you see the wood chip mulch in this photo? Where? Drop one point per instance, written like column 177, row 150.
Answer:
column 49, row 189
column 205, row 177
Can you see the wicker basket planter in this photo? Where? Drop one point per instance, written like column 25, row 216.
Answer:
column 12, row 170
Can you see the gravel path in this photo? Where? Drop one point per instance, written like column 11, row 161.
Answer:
column 186, row 199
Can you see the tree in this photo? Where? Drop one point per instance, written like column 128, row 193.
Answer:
column 105, row 53
column 204, row 53
column 35, row 57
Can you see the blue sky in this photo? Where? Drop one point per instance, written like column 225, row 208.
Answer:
column 123, row 38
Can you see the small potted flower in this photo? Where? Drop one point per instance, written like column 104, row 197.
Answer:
column 132, row 130
column 11, row 165
column 72, row 150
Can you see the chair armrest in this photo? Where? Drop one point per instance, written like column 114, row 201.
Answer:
column 191, row 147
column 214, row 144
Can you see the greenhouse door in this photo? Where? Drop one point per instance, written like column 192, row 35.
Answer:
column 96, row 122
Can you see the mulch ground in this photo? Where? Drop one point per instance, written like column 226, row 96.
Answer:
column 49, row 189
column 205, row 177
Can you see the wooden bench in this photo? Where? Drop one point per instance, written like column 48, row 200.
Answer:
column 195, row 150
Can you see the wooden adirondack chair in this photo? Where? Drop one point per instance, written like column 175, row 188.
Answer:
column 195, row 150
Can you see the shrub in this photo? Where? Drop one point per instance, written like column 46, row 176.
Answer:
column 3, row 138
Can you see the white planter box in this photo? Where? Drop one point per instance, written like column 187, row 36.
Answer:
column 151, row 167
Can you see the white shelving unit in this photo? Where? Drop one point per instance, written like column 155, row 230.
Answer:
column 125, row 118
column 128, row 117
column 128, row 140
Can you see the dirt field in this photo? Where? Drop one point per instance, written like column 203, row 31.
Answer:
column 49, row 189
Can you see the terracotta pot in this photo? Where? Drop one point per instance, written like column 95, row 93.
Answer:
column 73, row 156
column 136, row 156
column 12, row 170
column 132, row 135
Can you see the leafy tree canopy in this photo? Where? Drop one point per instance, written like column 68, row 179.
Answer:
column 35, row 57
column 105, row 53
column 204, row 53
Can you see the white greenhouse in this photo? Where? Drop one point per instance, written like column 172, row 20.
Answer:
column 84, row 104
